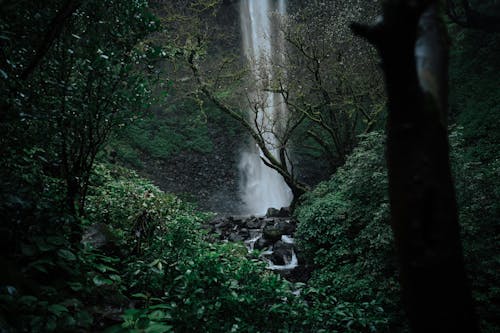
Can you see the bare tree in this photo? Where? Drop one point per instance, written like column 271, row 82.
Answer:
column 332, row 78
column 258, row 131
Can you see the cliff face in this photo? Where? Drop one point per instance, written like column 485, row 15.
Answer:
column 209, row 179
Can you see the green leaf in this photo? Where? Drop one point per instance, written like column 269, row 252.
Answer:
column 57, row 309
column 159, row 315
column 76, row 286
column 43, row 246
column 100, row 281
column 116, row 329
column 104, row 268
column 140, row 295
column 65, row 254
column 27, row 300
column 158, row 328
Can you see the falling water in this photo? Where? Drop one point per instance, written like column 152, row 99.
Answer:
column 263, row 187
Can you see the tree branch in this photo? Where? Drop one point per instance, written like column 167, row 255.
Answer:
column 53, row 31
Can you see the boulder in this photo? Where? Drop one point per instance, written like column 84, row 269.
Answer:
column 282, row 212
column 237, row 220
column 223, row 224
column 285, row 227
column 285, row 212
column 280, row 251
column 261, row 244
column 254, row 223
column 235, row 237
column 272, row 212
column 271, row 233
column 244, row 233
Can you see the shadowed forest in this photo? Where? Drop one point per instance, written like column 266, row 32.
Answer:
column 249, row 166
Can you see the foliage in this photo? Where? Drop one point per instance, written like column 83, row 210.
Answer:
column 86, row 85
column 182, row 283
column 164, row 133
column 343, row 228
column 475, row 105
column 478, row 192
column 131, row 206
column 178, row 281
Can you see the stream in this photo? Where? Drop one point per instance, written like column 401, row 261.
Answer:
column 270, row 235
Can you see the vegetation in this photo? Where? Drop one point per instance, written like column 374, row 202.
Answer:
column 92, row 91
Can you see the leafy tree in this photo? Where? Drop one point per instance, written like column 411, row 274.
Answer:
column 80, row 84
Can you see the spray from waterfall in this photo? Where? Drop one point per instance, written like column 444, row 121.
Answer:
column 261, row 186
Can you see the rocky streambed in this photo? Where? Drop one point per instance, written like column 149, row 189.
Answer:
column 271, row 235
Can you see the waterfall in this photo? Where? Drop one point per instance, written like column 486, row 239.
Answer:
column 261, row 186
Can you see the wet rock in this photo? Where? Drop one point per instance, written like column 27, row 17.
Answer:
column 235, row 237
column 254, row 223
column 282, row 212
column 272, row 212
column 216, row 220
column 271, row 233
column 267, row 221
column 262, row 243
column 285, row 227
column 285, row 212
column 282, row 250
column 237, row 220
column 244, row 233
column 223, row 224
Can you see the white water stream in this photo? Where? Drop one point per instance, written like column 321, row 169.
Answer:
column 261, row 186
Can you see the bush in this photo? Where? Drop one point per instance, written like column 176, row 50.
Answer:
column 343, row 228
column 131, row 206
column 181, row 282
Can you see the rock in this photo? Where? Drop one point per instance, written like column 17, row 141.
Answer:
column 261, row 244
column 282, row 212
column 254, row 223
column 223, row 224
column 235, row 237
column 285, row 227
column 272, row 212
column 285, row 212
column 216, row 220
column 280, row 251
column 271, row 233
column 267, row 221
column 244, row 233
column 237, row 220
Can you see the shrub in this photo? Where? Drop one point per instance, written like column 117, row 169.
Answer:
column 343, row 228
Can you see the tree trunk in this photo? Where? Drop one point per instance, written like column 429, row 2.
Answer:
column 412, row 44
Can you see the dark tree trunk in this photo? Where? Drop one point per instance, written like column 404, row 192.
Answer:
column 413, row 46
